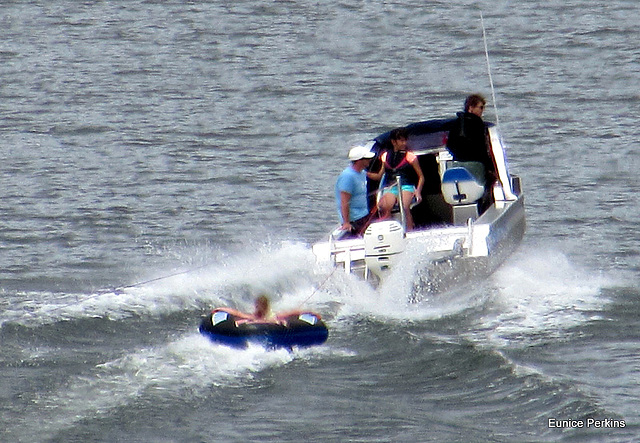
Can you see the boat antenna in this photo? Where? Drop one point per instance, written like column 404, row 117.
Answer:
column 486, row 53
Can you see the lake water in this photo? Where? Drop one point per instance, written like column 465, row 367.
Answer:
column 159, row 159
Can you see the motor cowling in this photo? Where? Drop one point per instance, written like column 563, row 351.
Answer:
column 384, row 241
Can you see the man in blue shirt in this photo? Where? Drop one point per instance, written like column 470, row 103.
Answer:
column 351, row 191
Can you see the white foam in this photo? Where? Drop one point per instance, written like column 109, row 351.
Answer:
column 535, row 290
column 540, row 292
column 393, row 299
column 236, row 280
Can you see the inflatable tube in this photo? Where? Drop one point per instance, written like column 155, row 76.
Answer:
column 299, row 329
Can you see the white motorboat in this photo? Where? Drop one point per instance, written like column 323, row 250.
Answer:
column 457, row 238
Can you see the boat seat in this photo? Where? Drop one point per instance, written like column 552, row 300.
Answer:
column 460, row 187
column 396, row 205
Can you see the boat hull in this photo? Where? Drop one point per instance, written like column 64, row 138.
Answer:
column 457, row 268
column 443, row 256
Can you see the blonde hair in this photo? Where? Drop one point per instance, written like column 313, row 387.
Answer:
column 262, row 306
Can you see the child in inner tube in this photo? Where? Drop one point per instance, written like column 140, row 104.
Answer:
column 262, row 309
column 261, row 314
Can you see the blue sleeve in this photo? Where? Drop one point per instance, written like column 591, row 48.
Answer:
column 345, row 183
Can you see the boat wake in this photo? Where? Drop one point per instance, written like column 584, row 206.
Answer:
column 535, row 290
column 538, row 293
column 188, row 366
column 235, row 281
column 167, row 311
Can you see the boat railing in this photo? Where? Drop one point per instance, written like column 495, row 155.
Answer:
column 396, row 182
column 403, row 216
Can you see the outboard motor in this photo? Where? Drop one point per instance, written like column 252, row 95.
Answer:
column 383, row 243
column 462, row 191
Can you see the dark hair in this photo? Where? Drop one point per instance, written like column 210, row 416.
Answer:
column 474, row 100
column 399, row 134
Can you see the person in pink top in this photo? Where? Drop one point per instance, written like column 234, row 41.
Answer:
column 404, row 164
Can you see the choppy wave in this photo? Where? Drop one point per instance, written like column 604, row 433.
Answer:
column 540, row 293
column 537, row 291
column 190, row 365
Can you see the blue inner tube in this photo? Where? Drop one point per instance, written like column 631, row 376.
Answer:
column 300, row 330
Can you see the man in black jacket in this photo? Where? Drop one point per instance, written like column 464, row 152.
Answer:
column 468, row 141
